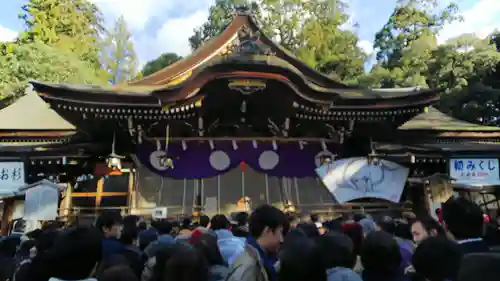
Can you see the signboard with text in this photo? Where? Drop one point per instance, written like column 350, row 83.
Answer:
column 11, row 175
column 475, row 172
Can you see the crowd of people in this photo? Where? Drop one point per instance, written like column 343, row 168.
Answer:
column 267, row 245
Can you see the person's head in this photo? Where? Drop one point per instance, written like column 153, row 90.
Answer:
column 437, row 259
column 309, row 228
column 130, row 221
column 146, row 237
column 424, row 227
column 109, row 223
column 314, row 218
column 387, row 224
column 129, row 235
column 204, row 220
column 219, row 222
column 355, row 232
column 380, row 255
column 403, row 230
column 46, row 241
column 368, row 226
column 118, row 273
column 336, row 250
column 161, row 257
column 186, row 223
column 186, row 264
column 35, row 234
column 164, row 227
column 176, row 227
column 333, row 225
column 75, row 253
column 292, row 239
column 142, row 225
column 206, row 243
column 241, row 218
column 463, row 218
column 266, row 225
column 301, row 261
column 358, row 217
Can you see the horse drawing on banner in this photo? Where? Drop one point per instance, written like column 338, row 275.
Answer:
column 366, row 177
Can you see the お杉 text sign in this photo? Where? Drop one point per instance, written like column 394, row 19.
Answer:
column 11, row 175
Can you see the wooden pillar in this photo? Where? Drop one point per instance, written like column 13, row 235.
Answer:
column 98, row 195
column 65, row 210
column 131, row 192
column 8, row 208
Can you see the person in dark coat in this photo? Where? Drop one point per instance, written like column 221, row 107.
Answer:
column 464, row 221
column 480, row 267
column 131, row 251
column 109, row 223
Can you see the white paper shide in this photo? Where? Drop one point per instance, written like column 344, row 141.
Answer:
column 354, row 178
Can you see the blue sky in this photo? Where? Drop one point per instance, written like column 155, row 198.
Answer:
column 164, row 25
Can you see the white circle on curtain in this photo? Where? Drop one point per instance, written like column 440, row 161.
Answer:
column 219, row 160
column 323, row 157
column 158, row 160
column 268, row 160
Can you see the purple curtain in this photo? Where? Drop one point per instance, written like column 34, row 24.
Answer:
column 200, row 160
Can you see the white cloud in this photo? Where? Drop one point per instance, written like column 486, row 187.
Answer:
column 174, row 34
column 136, row 13
column 7, row 35
column 366, row 46
column 482, row 19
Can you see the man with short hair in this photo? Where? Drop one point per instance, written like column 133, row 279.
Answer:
column 266, row 235
column 109, row 223
column 464, row 221
column 204, row 221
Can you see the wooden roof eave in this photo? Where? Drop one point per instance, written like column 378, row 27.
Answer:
column 37, row 134
column 92, row 96
column 301, row 86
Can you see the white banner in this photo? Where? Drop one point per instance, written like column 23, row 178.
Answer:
column 470, row 172
column 355, row 178
column 41, row 202
column 11, row 176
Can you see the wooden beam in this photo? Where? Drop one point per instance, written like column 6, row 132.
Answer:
column 96, row 194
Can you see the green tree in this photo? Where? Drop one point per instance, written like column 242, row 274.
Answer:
column 74, row 25
column 42, row 62
column 118, row 55
column 159, row 63
column 468, row 68
column 410, row 21
column 310, row 30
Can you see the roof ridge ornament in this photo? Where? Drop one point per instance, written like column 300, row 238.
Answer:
column 243, row 9
column 249, row 43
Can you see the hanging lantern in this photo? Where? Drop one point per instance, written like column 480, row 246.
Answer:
column 114, row 160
